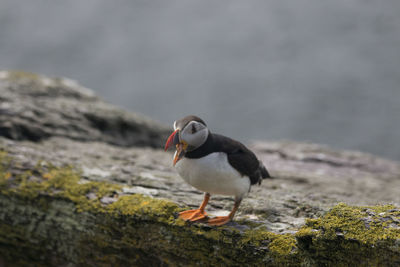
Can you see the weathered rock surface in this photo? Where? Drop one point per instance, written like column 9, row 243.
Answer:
column 117, row 202
column 34, row 107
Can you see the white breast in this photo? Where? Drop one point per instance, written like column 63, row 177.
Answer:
column 213, row 174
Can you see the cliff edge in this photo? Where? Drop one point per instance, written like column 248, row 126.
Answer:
column 85, row 183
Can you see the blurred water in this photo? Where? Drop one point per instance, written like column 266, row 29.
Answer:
column 320, row 71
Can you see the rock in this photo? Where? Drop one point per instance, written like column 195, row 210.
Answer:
column 140, row 190
column 88, row 201
column 35, row 107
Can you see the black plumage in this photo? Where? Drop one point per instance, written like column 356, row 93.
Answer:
column 239, row 156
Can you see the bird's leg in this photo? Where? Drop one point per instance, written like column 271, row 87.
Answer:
column 221, row 220
column 197, row 214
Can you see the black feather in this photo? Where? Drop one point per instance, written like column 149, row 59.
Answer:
column 239, row 156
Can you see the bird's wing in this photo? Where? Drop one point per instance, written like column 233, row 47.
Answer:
column 240, row 157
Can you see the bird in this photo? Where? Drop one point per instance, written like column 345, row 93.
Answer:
column 214, row 164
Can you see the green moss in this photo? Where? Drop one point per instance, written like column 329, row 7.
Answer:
column 367, row 224
column 282, row 247
column 283, row 244
column 60, row 182
column 5, row 175
column 258, row 235
column 146, row 208
column 348, row 233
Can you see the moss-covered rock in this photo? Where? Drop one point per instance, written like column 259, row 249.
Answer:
column 347, row 235
column 54, row 208
column 50, row 215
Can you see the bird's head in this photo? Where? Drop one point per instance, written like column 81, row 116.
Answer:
column 189, row 133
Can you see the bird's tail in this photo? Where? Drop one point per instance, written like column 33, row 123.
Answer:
column 264, row 173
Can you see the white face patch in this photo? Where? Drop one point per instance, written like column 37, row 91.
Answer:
column 194, row 134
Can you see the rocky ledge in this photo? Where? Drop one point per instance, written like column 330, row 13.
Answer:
column 85, row 183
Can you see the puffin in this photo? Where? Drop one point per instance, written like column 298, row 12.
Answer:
column 214, row 164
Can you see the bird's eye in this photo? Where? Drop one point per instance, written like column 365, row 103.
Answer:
column 194, row 130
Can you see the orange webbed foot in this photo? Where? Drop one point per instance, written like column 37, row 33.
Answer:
column 193, row 215
column 218, row 221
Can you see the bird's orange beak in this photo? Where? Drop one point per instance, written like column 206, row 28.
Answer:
column 180, row 152
column 173, row 138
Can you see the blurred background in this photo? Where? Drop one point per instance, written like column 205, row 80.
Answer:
column 305, row 70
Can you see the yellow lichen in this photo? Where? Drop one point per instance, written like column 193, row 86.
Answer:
column 281, row 244
column 305, row 231
column 61, row 182
column 145, row 207
column 5, row 175
column 47, row 176
column 361, row 223
column 349, row 234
